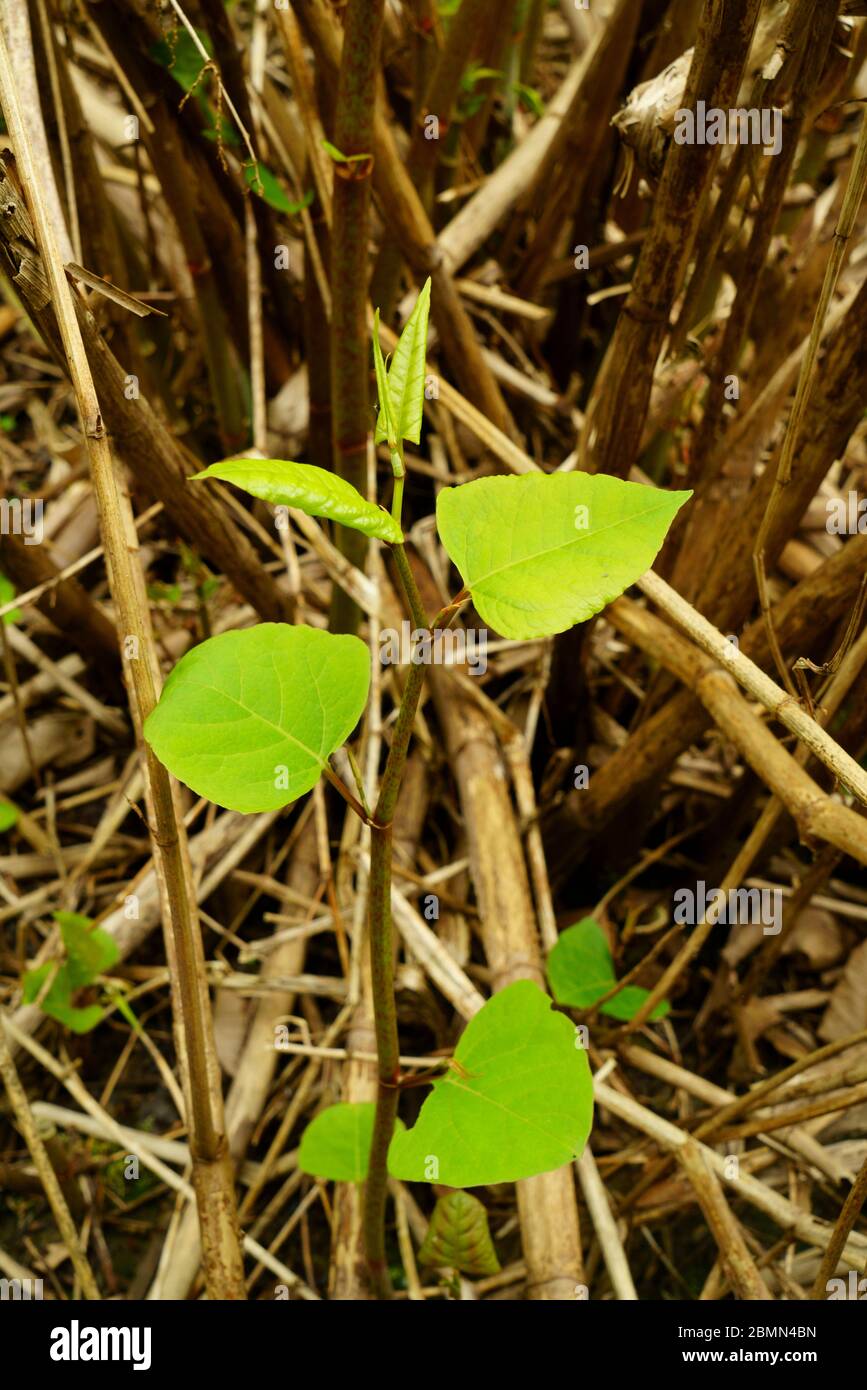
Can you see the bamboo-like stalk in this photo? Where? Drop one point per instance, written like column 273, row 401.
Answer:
column 800, row 619
column 212, row 1172
column 605, row 1226
column 616, row 413
column 436, row 98
column 47, row 1176
column 845, row 1221
column 809, row 58
column 66, row 604
column 350, row 342
column 736, row 1259
column 441, row 92
column 785, row 1213
column 760, row 686
column 402, row 206
column 534, row 20
column 851, row 203
column 493, row 41
column 559, row 186
column 177, row 182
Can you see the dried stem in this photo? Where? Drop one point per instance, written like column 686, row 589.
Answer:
column 197, row 1058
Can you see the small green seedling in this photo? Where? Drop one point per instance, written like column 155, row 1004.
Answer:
column 89, row 953
column 250, row 719
column 580, row 971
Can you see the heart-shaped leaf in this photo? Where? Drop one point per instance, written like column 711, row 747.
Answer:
column 580, row 971
column 56, row 1002
column 543, row 551
column 336, row 1143
column 519, row 1101
column 312, row 490
column 406, row 374
column 458, row 1236
column 248, row 719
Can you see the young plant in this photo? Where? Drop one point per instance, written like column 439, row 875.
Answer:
column 581, row 971
column 250, row 719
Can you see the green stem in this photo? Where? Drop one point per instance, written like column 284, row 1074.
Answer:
column 388, row 1055
column 399, row 470
column 382, row 948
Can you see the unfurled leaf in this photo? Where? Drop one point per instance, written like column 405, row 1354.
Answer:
column 406, row 374
column 249, row 719
column 580, row 971
column 8, row 816
column 336, row 1144
column 519, row 1100
column 312, row 490
column 541, row 552
column 458, row 1236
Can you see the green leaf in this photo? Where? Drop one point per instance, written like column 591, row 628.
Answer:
column 541, row 552
column 248, row 719
column 56, row 1003
column 8, row 816
column 312, row 490
column 458, row 1236
column 523, row 1106
column 529, row 98
column 7, row 593
column 336, row 1143
column 386, row 409
column 339, row 157
column 406, row 374
column 476, row 72
column 164, row 593
column 268, row 187
column 89, row 952
column 580, row 971
column 182, row 57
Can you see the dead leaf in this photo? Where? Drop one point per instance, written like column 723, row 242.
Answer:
column 847, row 1011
